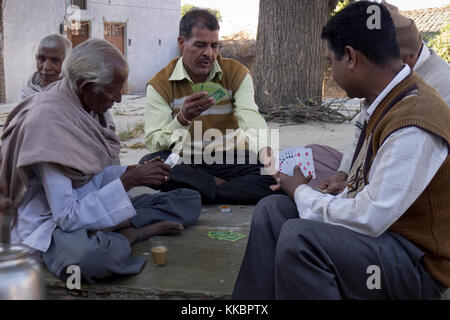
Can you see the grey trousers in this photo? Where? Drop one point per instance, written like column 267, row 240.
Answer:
column 292, row 258
column 104, row 254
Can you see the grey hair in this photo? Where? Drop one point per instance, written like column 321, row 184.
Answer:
column 55, row 41
column 92, row 61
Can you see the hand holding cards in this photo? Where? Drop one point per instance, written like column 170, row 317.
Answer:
column 205, row 95
column 289, row 158
column 214, row 90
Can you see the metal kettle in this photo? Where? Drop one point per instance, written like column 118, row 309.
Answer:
column 20, row 273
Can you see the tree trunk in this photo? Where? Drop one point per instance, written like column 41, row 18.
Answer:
column 2, row 66
column 290, row 55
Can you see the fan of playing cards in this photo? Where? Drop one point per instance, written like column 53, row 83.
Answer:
column 214, row 90
column 290, row 157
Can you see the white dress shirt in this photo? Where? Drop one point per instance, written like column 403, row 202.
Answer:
column 424, row 55
column 402, row 168
column 347, row 157
column 52, row 202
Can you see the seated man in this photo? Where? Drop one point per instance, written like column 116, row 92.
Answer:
column 172, row 107
column 56, row 159
column 387, row 236
column 424, row 61
column 52, row 51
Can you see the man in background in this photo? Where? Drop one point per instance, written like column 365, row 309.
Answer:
column 172, row 106
column 52, row 51
column 422, row 60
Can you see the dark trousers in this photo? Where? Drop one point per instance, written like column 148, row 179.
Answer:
column 292, row 258
column 244, row 182
column 105, row 253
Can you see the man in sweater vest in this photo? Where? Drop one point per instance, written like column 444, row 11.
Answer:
column 193, row 124
column 387, row 235
column 423, row 60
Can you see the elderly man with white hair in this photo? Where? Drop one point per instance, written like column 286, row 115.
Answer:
column 52, row 51
column 72, row 202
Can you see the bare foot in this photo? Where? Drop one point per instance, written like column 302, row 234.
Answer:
column 219, row 181
column 152, row 230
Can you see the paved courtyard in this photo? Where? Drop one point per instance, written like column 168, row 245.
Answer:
column 198, row 267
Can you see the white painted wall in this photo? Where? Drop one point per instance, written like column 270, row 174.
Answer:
column 26, row 22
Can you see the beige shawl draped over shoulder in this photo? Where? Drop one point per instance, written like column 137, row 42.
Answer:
column 53, row 127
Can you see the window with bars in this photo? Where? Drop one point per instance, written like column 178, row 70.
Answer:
column 79, row 3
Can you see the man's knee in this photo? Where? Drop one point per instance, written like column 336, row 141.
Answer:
column 102, row 255
column 297, row 236
column 266, row 207
column 193, row 202
column 95, row 249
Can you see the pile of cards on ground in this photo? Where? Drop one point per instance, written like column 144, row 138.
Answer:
column 214, row 90
column 289, row 158
column 226, row 235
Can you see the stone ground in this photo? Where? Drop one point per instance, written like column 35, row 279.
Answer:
column 198, row 267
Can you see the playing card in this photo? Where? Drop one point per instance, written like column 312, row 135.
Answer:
column 289, row 158
column 225, row 235
column 218, row 95
column 196, row 88
column 214, row 90
column 172, row 160
column 306, row 162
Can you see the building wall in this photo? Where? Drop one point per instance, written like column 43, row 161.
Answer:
column 150, row 35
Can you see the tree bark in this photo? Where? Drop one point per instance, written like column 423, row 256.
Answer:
column 2, row 66
column 290, row 55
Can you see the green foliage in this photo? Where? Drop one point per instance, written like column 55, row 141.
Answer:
column 341, row 5
column 441, row 43
column 131, row 131
column 188, row 7
column 429, row 36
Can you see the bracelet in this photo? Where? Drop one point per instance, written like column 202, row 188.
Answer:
column 184, row 118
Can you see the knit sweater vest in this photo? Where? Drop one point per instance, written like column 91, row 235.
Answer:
column 220, row 116
column 427, row 222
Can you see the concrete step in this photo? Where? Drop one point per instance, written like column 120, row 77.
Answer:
column 198, row 267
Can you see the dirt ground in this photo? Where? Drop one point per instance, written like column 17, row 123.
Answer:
column 129, row 114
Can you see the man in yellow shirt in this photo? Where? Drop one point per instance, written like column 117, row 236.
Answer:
column 179, row 121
